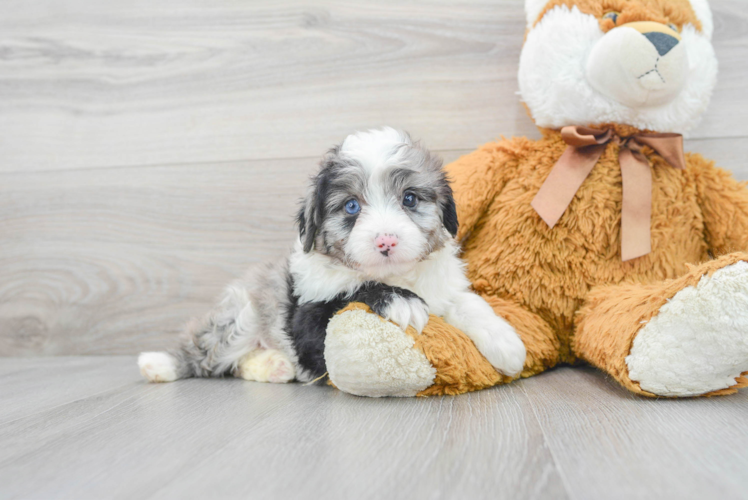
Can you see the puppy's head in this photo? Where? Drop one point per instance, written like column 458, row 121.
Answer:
column 379, row 204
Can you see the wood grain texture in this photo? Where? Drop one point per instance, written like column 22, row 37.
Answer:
column 568, row 433
column 235, row 439
column 609, row 443
column 95, row 84
column 120, row 215
column 31, row 386
column 86, row 84
column 113, row 261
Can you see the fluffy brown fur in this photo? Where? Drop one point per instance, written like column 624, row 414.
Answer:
column 459, row 366
column 566, row 290
column 677, row 12
column 563, row 275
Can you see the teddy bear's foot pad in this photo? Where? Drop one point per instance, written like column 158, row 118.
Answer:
column 368, row 356
column 698, row 342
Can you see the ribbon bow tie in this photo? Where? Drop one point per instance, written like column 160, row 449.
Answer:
column 586, row 145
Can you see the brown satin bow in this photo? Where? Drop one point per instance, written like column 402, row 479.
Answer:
column 586, row 145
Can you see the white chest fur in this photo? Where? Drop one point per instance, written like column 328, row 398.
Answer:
column 436, row 279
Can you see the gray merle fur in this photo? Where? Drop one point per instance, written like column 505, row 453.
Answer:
column 262, row 310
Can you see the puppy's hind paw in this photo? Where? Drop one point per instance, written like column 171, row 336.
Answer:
column 267, row 365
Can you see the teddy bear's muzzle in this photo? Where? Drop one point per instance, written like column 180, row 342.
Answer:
column 638, row 64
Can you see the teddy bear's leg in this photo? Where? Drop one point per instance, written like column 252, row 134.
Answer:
column 368, row 356
column 724, row 205
column 681, row 337
column 540, row 340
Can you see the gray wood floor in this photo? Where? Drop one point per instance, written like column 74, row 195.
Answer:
column 89, row 428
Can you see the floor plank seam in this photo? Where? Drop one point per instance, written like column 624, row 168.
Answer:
column 238, row 161
column 256, row 421
column 556, row 463
column 31, row 415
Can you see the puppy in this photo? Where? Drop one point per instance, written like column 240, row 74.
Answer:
column 377, row 226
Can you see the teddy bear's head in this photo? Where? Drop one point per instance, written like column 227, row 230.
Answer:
column 644, row 63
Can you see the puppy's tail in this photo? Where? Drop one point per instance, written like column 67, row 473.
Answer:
column 162, row 367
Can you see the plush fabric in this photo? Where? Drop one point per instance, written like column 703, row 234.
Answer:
column 457, row 365
column 571, row 277
column 678, row 12
column 369, row 356
column 673, row 322
column 570, row 51
column 613, row 316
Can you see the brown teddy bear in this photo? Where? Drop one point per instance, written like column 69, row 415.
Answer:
column 601, row 242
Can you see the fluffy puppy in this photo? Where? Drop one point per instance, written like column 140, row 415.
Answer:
column 377, row 226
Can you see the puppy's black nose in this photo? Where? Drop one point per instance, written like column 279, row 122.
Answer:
column 385, row 252
column 663, row 42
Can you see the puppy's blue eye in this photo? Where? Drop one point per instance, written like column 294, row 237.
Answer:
column 352, row 207
column 410, row 200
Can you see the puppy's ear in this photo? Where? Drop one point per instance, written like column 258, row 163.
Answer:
column 307, row 229
column 449, row 211
column 308, row 221
column 312, row 210
column 445, row 196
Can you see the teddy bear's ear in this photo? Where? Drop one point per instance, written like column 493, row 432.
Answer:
column 704, row 13
column 533, row 8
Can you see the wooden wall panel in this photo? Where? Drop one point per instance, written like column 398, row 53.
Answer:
column 152, row 151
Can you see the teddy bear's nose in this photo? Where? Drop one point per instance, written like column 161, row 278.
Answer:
column 662, row 41
column 637, row 64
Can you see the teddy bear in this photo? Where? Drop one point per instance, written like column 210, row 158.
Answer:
column 601, row 242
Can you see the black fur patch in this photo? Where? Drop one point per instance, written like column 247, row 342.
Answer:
column 301, row 222
column 306, row 324
column 449, row 211
column 378, row 296
column 350, row 221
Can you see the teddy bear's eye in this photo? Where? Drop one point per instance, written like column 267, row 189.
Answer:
column 672, row 26
column 613, row 16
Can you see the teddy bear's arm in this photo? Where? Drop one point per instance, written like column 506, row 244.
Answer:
column 724, row 205
column 476, row 179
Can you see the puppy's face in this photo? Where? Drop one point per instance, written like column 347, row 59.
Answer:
column 379, row 204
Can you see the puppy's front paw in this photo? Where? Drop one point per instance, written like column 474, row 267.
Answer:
column 404, row 311
column 503, row 348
